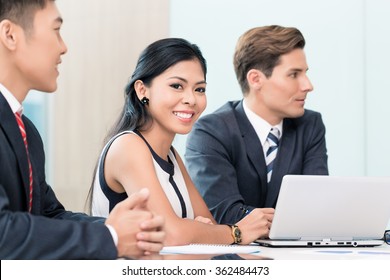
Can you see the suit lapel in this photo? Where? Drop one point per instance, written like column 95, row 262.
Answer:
column 10, row 127
column 253, row 146
column 282, row 163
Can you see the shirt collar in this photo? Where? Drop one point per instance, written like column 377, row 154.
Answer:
column 11, row 99
column 261, row 126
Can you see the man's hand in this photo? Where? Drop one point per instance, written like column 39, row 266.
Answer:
column 139, row 231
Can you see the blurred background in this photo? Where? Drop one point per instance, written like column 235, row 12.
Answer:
column 347, row 50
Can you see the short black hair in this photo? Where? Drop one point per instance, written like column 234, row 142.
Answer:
column 21, row 12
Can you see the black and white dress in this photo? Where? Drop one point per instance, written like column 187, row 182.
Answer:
column 168, row 172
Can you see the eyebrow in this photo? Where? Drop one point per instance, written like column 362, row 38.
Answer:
column 184, row 80
column 298, row 69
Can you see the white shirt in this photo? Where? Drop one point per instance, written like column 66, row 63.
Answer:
column 261, row 126
column 11, row 99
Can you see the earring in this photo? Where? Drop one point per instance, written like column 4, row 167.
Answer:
column 145, row 101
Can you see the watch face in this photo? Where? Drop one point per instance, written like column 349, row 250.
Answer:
column 237, row 235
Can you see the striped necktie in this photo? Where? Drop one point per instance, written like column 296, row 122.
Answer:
column 24, row 136
column 273, row 142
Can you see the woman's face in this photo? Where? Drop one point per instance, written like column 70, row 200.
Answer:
column 177, row 97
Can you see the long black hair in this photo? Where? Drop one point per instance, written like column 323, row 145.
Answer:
column 154, row 60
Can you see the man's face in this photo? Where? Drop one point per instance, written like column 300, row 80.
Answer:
column 40, row 50
column 283, row 94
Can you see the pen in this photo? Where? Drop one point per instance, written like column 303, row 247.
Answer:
column 246, row 211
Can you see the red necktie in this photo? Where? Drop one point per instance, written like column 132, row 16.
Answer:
column 23, row 132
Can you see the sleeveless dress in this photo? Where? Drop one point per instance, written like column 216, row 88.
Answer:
column 168, row 172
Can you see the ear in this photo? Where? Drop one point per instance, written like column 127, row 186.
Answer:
column 140, row 89
column 9, row 34
column 255, row 79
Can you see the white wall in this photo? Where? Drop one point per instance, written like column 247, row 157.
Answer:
column 378, row 87
column 347, row 51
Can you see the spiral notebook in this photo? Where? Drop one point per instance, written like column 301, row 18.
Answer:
column 329, row 211
column 211, row 249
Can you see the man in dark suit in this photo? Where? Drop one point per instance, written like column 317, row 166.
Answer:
column 33, row 223
column 233, row 159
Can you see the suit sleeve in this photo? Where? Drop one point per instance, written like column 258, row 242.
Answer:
column 49, row 232
column 316, row 158
column 209, row 158
column 27, row 236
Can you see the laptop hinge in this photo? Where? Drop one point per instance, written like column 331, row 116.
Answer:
column 310, row 238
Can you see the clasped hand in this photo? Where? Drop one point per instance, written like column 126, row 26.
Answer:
column 139, row 231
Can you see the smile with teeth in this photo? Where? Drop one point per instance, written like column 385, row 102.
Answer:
column 183, row 115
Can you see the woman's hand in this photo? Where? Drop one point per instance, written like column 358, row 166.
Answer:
column 204, row 220
column 256, row 224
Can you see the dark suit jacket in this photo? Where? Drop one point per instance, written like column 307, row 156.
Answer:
column 49, row 232
column 225, row 159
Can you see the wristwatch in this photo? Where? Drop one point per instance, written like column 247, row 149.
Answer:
column 236, row 233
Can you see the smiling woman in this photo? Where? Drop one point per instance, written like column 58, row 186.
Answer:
column 164, row 97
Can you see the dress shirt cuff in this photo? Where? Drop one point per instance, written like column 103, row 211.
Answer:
column 113, row 234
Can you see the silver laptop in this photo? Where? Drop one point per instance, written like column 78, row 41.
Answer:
column 330, row 211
